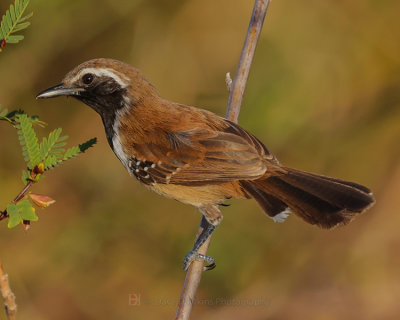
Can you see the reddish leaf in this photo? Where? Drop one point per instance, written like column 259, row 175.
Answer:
column 41, row 200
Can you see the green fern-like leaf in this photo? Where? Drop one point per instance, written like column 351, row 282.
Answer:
column 53, row 160
column 50, row 162
column 11, row 116
column 86, row 145
column 53, row 145
column 3, row 115
column 71, row 152
column 35, row 120
column 74, row 151
column 25, row 176
column 28, row 140
column 13, row 21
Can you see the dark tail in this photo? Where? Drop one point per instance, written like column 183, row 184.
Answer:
column 324, row 201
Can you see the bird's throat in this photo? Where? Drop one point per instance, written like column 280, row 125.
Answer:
column 113, row 137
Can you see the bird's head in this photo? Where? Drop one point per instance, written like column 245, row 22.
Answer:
column 106, row 85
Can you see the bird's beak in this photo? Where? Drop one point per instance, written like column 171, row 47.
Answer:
column 59, row 90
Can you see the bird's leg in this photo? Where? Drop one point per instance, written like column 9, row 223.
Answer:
column 212, row 217
column 193, row 254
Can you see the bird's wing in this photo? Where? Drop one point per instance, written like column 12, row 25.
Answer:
column 201, row 156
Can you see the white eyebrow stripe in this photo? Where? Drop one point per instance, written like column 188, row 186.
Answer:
column 100, row 72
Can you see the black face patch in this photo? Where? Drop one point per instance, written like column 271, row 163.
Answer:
column 106, row 98
column 104, row 86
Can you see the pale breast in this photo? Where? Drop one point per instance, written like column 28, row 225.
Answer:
column 199, row 196
column 119, row 151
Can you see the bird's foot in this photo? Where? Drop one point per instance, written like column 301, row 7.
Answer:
column 194, row 255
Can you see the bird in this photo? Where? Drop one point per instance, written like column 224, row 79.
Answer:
column 200, row 158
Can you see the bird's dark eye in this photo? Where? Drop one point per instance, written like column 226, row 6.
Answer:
column 88, row 78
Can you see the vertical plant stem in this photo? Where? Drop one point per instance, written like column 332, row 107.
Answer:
column 236, row 90
column 192, row 281
column 246, row 59
column 8, row 295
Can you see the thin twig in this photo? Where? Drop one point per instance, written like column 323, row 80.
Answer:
column 4, row 214
column 228, row 82
column 236, row 90
column 8, row 295
column 192, row 280
column 246, row 58
column 23, row 191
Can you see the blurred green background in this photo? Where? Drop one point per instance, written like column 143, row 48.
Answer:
column 323, row 95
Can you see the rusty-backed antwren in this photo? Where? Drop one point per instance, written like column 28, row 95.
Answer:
column 199, row 158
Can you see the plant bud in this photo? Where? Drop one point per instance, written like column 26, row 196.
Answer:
column 41, row 200
column 2, row 44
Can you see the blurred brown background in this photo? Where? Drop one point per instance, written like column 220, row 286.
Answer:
column 324, row 96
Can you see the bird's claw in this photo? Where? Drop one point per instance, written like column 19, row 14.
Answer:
column 193, row 255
